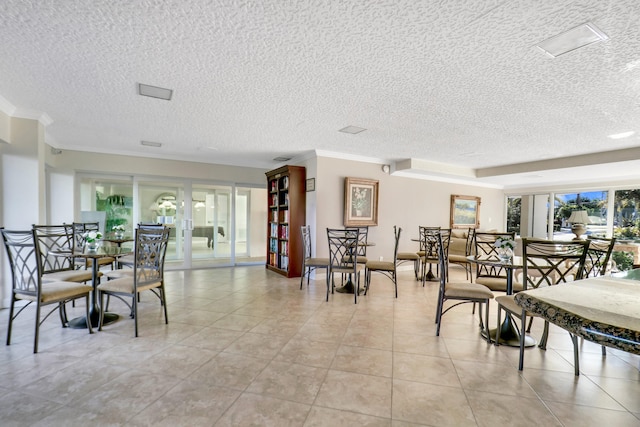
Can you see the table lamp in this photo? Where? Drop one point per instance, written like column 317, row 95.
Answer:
column 578, row 221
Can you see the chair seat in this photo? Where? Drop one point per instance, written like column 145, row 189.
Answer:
column 125, row 285
column 381, row 265
column 498, row 284
column 68, row 276
column 316, row 262
column 467, row 290
column 408, row 256
column 457, row 258
column 117, row 274
column 348, row 269
column 509, row 304
column 58, row 291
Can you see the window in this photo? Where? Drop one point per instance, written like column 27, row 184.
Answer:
column 514, row 207
column 594, row 202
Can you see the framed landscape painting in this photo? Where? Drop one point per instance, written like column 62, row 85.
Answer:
column 360, row 202
column 465, row 211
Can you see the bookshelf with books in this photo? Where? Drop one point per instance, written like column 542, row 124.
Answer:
column 286, row 201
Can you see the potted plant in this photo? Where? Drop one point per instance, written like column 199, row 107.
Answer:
column 91, row 239
column 505, row 247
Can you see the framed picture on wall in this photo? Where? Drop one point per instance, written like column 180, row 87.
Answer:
column 360, row 202
column 465, row 211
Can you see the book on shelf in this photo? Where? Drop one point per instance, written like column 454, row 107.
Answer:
column 274, row 185
column 285, row 183
column 273, row 245
column 284, row 262
column 284, row 216
column 284, row 248
column 274, row 200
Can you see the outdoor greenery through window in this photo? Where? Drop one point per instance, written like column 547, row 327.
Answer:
column 514, row 206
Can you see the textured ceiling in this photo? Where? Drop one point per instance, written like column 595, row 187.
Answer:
column 456, row 82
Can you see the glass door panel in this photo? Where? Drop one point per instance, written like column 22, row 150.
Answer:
column 250, row 225
column 163, row 203
column 211, row 225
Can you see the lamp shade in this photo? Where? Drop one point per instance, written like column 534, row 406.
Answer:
column 579, row 217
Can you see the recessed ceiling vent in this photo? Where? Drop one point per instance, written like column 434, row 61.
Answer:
column 281, row 159
column 575, row 38
column 155, row 92
column 151, row 144
column 352, row 129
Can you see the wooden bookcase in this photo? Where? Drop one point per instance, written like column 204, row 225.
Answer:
column 286, row 214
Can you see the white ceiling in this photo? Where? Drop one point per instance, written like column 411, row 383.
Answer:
column 453, row 88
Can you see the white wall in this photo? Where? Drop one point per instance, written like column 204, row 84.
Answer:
column 404, row 202
column 61, row 198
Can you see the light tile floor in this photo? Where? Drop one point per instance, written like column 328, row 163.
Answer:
column 245, row 346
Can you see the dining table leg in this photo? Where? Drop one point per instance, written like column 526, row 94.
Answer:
column 94, row 309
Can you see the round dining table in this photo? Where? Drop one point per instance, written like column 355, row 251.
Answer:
column 94, row 309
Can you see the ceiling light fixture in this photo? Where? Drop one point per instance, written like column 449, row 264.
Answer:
column 575, row 38
column 621, row 135
column 281, row 159
column 352, row 129
column 155, row 92
column 151, row 144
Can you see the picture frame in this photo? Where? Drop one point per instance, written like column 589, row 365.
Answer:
column 360, row 202
column 310, row 184
column 465, row 211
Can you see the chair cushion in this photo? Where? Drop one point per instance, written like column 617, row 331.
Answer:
column 408, row 256
column 58, row 291
column 467, row 290
column 316, row 262
column 381, row 265
column 125, row 285
column 68, row 276
column 117, row 274
column 101, row 261
column 458, row 258
column 508, row 303
column 498, row 284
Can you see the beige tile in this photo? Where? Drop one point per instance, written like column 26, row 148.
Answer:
column 430, row 404
column 578, row 416
column 258, row 345
column 126, row 396
column 624, row 391
column 289, row 381
column 307, row 352
column 236, row 322
column 191, row 403
column 362, row 360
column 17, row 408
column 212, row 338
column 491, row 409
column 426, row 369
column 420, row 344
column 230, row 370
column 492, row 378
column 567, row 388
column 360, row 393
column 326, row 417
column 256, row 410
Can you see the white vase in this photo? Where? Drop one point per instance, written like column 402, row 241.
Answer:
column 505, row 254
column 93, row 246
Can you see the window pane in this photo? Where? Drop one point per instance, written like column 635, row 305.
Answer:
column 594, row 202
column 514, row 204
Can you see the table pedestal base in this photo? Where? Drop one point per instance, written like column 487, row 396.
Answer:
column 81, row 322
column 348, row 288
column 509, row 335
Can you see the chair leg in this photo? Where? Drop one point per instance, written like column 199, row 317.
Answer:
column 37, row 335
column 604, row 351
column 164, row 304
column 302, row 276
column 86, row 302
column 102, row 309
column 576, row 360
column 545, row 336
column 497, row 342
column 135, row 314
column 10, row 319
column 523, row 322
column 486, row 324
